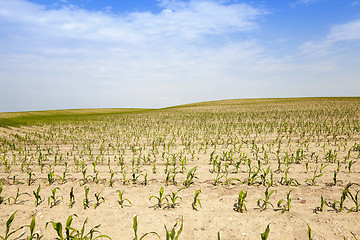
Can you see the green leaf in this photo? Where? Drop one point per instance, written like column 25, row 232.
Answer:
column 265, row 235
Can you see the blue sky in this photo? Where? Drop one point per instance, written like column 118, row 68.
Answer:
column 61, row 54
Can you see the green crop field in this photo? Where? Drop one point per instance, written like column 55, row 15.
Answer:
column 229, row 169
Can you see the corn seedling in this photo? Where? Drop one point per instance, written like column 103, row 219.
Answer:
column 16, row 197
column 286, row 206
column 240, row 204
column 64, row 174
column 54, row 200
column 122, row 200
column 72, row 198
column 50, row 176
column 86, row 199
column 323, row 203
column 124, row 180
column 311, row 181
column 190, row 177
column 172, row 234
column 95, row 178
column 218, row 178
column 135, row 227
column 334, row 178
column 1, row 197
column 196, row 200
column 98, row 199
column 263, row 203
column 354, row 198
column 84, row 179
column 264, row 235
column 350, row 164
column 81, row 235
column 69, row 231
column 8, row 233
column 30, row 179
column 288, row 181
column 264, row 174
column 309, row 231
column 111, row 181
column 160, row 199
column 342, row 199
column 31, row 227
column 171, row 199
column 253, row 173
column 145, row 179
column 37, row 196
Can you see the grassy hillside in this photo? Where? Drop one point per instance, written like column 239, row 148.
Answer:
column 232, row 105
column 41, row 117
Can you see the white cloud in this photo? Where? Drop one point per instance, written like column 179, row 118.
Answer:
column 304, row 2
column 348, row 32
column 188, row 43
column 190, row 51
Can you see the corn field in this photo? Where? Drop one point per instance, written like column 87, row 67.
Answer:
column 231, row 169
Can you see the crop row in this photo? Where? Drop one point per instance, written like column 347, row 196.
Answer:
column 67, row 231
column 172, row 199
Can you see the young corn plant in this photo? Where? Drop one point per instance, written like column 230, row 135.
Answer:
column 8, row 233
column 218, row 178
column 90, row 235
column 30, row 179
column 135, row 228
column 16, row 197
column 323, row 203
column 334, row 178
column 72, row 198
column 50, row 176
column 86, row 201
column 98, row 199
column 342, row 199
column 1, row 197
column 263, row 203
column 171, row 199
column 240, row 204
column 160, row 199
column 54, row 200
column 58, row 227
column 287, row 205
column 172, row 234
column 309, row 231
column 122, row 200
column 31, row 227
column 265, row 235
column 286, row 180
column 95, row 178
column 196, row 200
column 84, row 179
column 37, row 196
column 111, row 181
column 190, row 177
column 349, row 166
column 64, row 174
column 311, row 181
column 355, row 199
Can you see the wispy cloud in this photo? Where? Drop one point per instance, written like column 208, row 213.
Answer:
column 65, row 56
column 304, row 2
column 340, row 33
column 187, row 43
